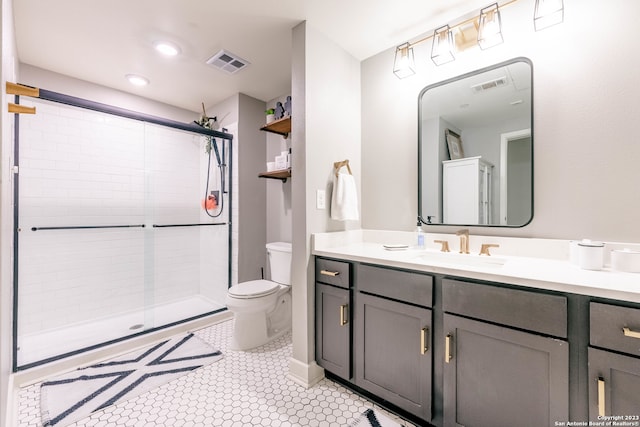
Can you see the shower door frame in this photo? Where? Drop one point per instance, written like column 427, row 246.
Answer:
column 73, row 101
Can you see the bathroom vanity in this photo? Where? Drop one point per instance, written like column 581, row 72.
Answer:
column 478, row 341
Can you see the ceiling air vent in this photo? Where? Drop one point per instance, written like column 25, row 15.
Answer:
column 227, row 62
column 499, row 82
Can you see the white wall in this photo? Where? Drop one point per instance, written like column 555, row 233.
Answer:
column 325, row 129
column 9, row 72
column 586, row 123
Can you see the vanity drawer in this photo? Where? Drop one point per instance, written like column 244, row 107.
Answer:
column 532, row 311
column 331, row 272
column 615, row 327
column 401, row 285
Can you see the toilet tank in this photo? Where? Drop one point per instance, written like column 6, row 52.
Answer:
column 279, row 254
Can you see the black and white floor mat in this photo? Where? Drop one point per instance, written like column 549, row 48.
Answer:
column 372, row 418
column 75, row 395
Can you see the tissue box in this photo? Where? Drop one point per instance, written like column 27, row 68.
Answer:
column 271, row 166
column 281, row 162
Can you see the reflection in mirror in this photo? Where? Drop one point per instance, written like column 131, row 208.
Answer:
column 475, row 148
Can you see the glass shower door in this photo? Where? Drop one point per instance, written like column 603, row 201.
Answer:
column 112, row 238
column 80, row 239
column 186, row 249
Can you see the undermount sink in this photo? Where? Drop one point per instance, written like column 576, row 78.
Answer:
column 462, row 259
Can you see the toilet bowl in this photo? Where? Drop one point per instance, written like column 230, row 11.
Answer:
column 262, row 308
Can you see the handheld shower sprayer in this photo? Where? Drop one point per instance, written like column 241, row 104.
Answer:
column 211, row 143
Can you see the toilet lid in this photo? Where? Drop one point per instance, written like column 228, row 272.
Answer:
column 253, row 289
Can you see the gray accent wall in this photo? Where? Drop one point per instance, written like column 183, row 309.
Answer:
column 585, row 124
column 279, row 212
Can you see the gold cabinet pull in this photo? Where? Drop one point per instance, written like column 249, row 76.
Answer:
column 343, row 315
column 629, row 333
column 447, row 349
column 329, row 273
column 424, row 338
column 601, row 397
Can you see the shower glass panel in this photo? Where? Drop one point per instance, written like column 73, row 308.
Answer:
column 112, row 237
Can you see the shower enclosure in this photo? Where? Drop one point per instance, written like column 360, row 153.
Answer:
column 112, row 238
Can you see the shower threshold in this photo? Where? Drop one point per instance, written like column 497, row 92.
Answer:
column 48, row 344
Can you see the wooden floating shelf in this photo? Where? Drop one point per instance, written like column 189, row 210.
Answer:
column 279, row 174
column 280, row 126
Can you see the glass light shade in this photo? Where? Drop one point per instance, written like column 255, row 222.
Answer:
column 442, row 48
column 404, row 64
column 490, row 28
column 548, row 13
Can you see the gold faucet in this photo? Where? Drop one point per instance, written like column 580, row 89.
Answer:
column 484, row 249
column 464, row 240
column 445, row 245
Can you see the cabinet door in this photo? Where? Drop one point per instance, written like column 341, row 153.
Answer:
column 500, row 377
column 460, row 194
column 393, row 352
column 614, row 385
column 333, row 330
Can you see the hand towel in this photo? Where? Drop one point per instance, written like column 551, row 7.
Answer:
column 344, row 199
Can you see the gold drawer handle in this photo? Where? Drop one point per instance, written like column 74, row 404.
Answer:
column 424, row 338
column 447, row 349
column 601, row 397
column 329, row 273
column 343, row 315
column 629, row 333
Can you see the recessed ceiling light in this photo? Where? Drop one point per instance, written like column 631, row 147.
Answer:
column 167, row 48
column 137, row 80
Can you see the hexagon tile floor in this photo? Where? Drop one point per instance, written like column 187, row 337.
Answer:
column 243, row 389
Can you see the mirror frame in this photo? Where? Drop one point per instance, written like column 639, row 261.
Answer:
column 421, row 220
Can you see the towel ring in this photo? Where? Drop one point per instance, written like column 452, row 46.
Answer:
column 338, row 165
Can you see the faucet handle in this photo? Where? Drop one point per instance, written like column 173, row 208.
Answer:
column 444, row 245
column 484, row 248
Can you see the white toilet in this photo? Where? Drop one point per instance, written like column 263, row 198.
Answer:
column 262, row 308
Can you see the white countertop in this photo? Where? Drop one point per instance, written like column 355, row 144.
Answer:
column 536, row 263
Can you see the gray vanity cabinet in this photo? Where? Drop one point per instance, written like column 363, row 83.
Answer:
column 393, row 333
column 494, row 374
column 333, row 316
column 614, row 379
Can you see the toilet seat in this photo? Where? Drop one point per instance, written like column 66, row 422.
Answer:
column 253, row 289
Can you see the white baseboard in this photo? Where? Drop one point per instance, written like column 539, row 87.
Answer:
column 11, row 414
column 305, row 374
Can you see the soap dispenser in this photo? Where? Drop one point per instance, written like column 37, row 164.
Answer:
column 419, row 236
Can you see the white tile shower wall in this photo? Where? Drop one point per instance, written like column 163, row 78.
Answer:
column 78, row 168
column 83, row 168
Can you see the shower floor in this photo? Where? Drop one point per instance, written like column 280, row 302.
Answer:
column 37, row 347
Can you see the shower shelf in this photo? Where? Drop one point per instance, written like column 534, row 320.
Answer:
column 279, row 174
column 280, row 126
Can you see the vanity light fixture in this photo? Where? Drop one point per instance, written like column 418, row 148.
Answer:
column 137, row 80
column 442, row 47
column 404, row 64
column 548, row 13
column 489, row 33
column 166, row 48
column 490, row 27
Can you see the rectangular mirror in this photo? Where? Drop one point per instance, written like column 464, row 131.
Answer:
column 475, row 148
